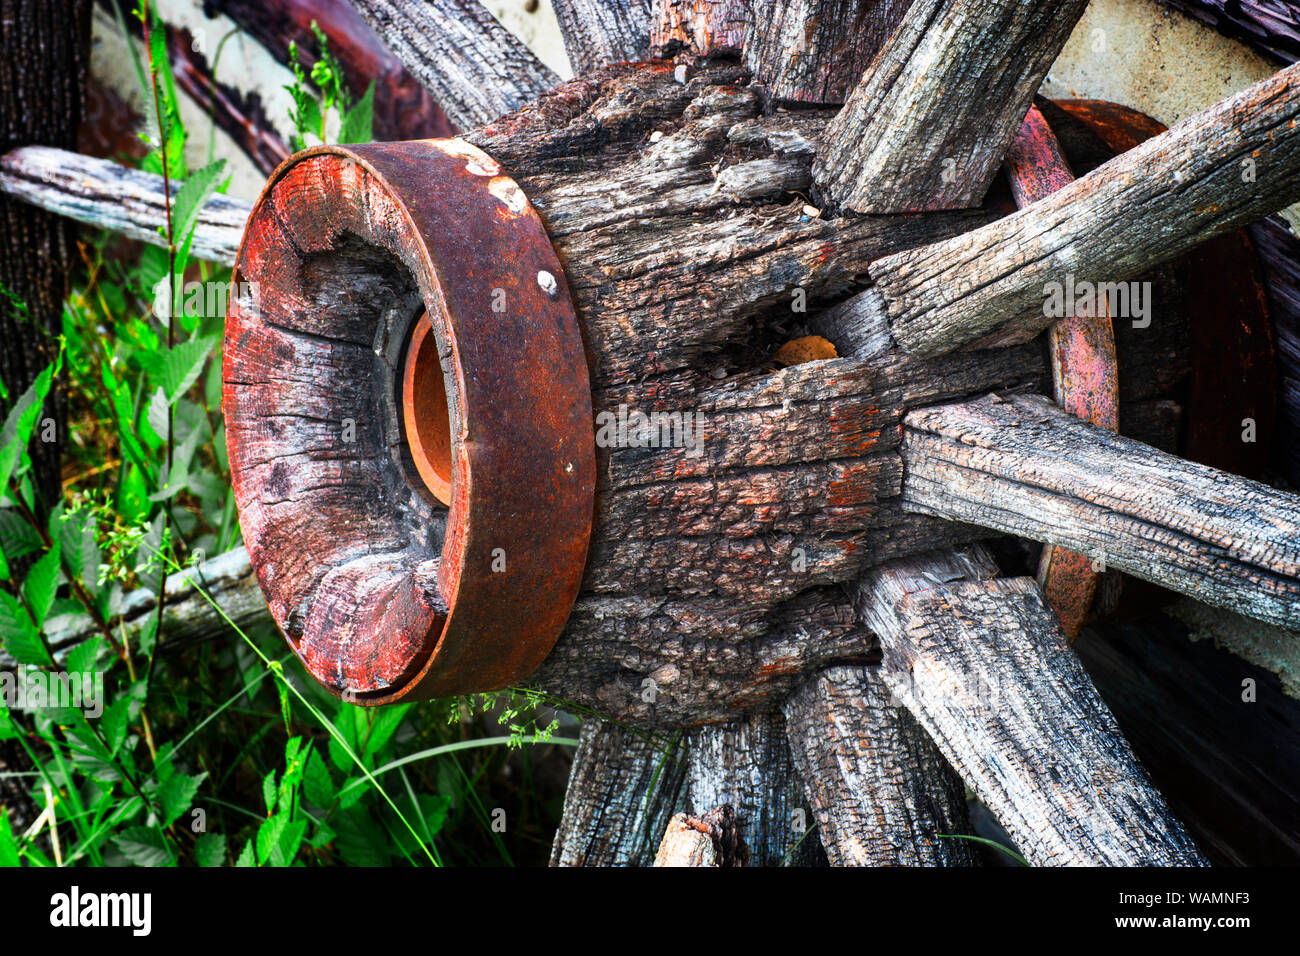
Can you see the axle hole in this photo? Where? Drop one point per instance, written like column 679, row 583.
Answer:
column 424, row 410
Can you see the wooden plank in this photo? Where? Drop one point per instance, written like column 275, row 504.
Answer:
column 475, row 68
column 1216, row 171
column 598, row 32
column 623, row 788
column 985, row 669
column 881, row 790
column 111, row 196
column 927, row 127
column 1023, row 466
column 814, row 51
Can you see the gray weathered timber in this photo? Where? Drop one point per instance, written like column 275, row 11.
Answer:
column 685, row 845
column 747, row 764
column 881, row 791
column 106, row 194
column 624, row 787
column 927, row 126
column 188, row 617
column 1216, row 171
column 983, row 666
column 475, row 68
column 814, row 51
column 599, row 32
column 1270, row 26
column 1021, row 465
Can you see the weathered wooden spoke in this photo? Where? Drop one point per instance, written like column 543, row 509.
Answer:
column 1022, row 465
column 984, row 667
column 474, row 67
column 600, row 32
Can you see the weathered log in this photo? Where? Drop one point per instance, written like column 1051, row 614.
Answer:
column 814, row 51
column 882, row 792
column 188, row 617
column 403, row 108
column 698, row 27
column 475, row 68
column 1279, row 252
column 112, row 196
column 1220, row 737
column 1023, row 466
column 928, row 125
column 984, row 667
column 1270, row 26
column 1214, row 172
column 623, row 788
column 599, row 32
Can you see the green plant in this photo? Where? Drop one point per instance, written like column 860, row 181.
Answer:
column 223, row 752
column 312, row 109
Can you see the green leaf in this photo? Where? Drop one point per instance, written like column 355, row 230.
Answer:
column 194, row 192
column 21, row 639
column 7, row 729
column 17, row 537
column 317, row 784
column 359, row 120
column 176, row 794
column 360, row 840
column 156, row 416
column 246, row 857
column 17, row 430
column 144, row 846
column 114, row 723
column 269, row 794
column 268, row 836
column 8, row 845
column 210, row 849
column 384, row 724
column 82, row 658
column 179, row 367
column 42, row 583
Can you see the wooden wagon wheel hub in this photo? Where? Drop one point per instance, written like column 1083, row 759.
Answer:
column 417, row 496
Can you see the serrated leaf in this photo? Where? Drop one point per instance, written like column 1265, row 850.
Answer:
column 189, row 200
column 7, row 729
column 317, row 784
column 359, row 839
column 82, row 658
column 20, row 421
column 156, row 415
column 21, row 639
column 17, row 538
column 246, row 857
column 210, row 849
column 179, row 367
column 268, row 797
column 144, row 846
column 176, row 794
column 268, row 836
column 358, row 122
column 114, row 723
column 42, row 583
column 384, row 724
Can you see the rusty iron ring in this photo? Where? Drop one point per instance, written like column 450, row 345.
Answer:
column 1085, row 365
column 495, row 411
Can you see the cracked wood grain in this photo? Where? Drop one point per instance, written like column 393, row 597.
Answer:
column 600, row 32
column 928, row 125
column 1021, row 465
column 985, row 669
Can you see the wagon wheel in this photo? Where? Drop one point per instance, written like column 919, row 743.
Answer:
column 794, row 578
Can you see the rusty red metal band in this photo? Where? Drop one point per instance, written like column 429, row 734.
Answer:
column 1085, row 366
column 481, row 401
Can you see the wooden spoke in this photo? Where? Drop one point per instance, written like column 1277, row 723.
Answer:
column 698, row 27
column 928, row 126
column 623, row 788
column 598, row 32
column 746, row 764
column 1214, row 172
column 814, row 51
column 111, row 196
column 1024, row 466
column 475, row 68
column 881, row 791
column 984, row 667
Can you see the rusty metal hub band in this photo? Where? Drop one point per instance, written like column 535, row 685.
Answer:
column 409, row 420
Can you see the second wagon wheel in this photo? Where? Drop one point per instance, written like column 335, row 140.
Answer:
column 784, row 568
